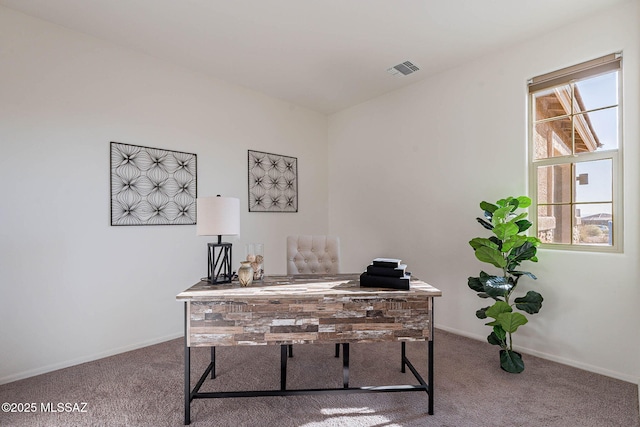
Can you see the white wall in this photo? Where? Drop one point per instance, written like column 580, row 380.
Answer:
column 419, row 160
column 73, row 288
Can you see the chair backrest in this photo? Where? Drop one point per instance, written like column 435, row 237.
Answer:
column 313, row 255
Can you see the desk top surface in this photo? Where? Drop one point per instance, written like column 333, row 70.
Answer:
column 301, row 285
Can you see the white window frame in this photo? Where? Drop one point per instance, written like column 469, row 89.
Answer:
column 565, row 76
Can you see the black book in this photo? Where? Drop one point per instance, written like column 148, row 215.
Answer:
column 387, row 262
column 368, row 281
column 387, row 271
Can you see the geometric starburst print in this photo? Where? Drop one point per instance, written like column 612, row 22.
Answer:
column 273, row 182
column 150, row 186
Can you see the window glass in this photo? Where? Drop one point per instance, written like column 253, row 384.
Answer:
column 553, row 138
column 597, row 92
column 594, row 224
column 597, row 130
column 555, row 226
column 593, row 181
column 554, row 184
column 548, row 102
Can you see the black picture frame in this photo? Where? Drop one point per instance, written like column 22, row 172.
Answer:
column 152, row 186
column 273, row 182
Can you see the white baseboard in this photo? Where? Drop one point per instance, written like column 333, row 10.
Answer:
column 551, row 357
column 90, row 358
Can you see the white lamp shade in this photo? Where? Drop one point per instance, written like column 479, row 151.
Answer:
column 218, row 216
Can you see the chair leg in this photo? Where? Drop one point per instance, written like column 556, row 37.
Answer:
column 337, row 350
column 345, row 365
column 290, row 350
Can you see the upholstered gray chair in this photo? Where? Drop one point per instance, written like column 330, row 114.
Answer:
column 313, row 255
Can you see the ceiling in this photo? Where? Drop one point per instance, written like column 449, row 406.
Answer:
column 326, row 55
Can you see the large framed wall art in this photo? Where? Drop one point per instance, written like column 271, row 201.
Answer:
column 151, row 186
column 273, row 182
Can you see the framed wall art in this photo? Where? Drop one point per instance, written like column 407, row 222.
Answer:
column 273, row 182
column 151, row 186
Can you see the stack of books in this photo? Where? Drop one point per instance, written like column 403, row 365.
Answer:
column 386, row 273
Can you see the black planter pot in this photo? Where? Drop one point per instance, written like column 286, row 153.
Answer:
column 511, row 361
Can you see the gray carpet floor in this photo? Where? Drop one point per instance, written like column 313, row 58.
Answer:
column 145, row 388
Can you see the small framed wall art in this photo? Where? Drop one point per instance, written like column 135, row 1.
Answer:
column 151, row 186
column 273, row 182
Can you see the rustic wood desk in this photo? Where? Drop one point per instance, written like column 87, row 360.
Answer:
column 285, row 310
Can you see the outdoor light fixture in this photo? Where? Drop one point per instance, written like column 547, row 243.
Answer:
column 218, row 216
column 583, row 179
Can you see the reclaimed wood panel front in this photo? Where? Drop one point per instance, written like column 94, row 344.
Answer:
column 332, row 310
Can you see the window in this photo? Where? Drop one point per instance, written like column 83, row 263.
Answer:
column 574, row 152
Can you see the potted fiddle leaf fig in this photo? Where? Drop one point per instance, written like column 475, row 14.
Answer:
column 505, row 249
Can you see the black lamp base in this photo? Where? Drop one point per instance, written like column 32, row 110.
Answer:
column 219, row 263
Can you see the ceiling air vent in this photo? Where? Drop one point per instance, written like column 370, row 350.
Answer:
column 405, row 68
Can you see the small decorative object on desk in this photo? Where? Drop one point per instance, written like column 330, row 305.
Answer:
column 245, row 273
column 386, row 273
column 255, row 255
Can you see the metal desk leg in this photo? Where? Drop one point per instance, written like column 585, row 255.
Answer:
column 345, row 365
column 187, row 372
column 430, row 376
column 283, row 367
column 213, row 362
column 430, row 363
column 403, row 357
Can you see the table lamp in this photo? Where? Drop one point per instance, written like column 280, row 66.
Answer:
column 218, row 216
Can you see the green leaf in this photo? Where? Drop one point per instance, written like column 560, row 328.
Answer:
column 523, row 225
column 488, row 207
column 480, row 314
column 475, row 284
column 524, row 201
column 506, row 230
column 533, row 240
column 481, row 241
column 497, row 286
column 511, row 361
column 513, row 241
column 510, row 322
column 498, row 308
column 490, row 255
column 495, row 240
column 521, row 216
column 501, row 214
column 500, row 333
column 523, row 273
column 494, row 339
column 485, row 224
column 503, row 202
column 521, row 253
column 530, row 303
column 484, row 277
